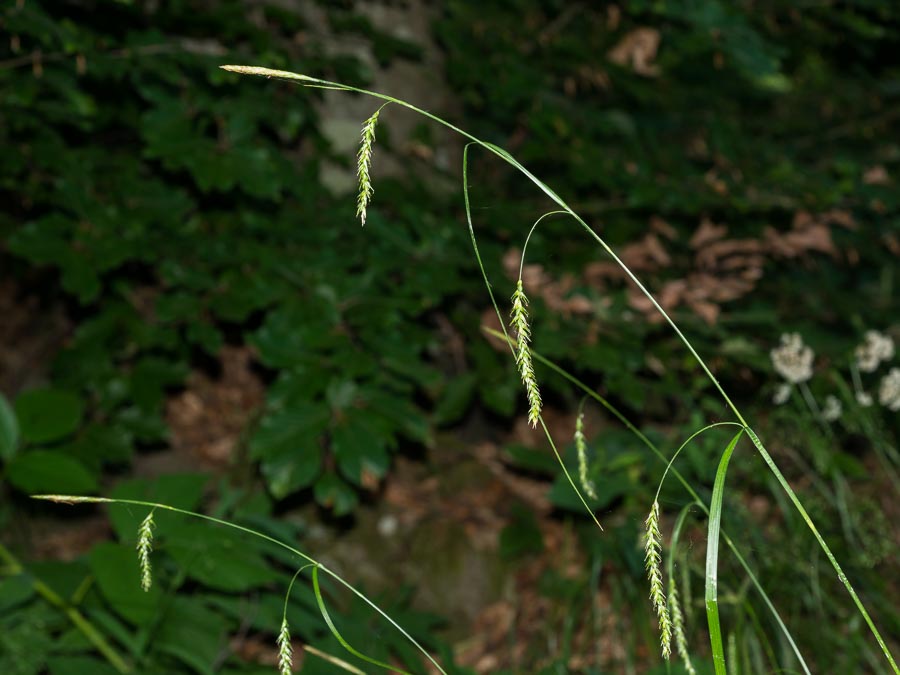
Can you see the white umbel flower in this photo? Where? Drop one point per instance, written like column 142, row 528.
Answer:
column 782, row 394
column 832, row 410
column 864, row 399
column 889, row 390
column 875, row 349
column 792, row 359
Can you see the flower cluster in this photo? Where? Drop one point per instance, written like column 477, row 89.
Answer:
column 889, row 390
column 831, row 411
column 875, row 349
column 793, row 360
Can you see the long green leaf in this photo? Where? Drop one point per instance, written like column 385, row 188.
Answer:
column 712, row 558
column 340, row 638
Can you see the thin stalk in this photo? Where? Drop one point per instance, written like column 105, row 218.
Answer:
column 685, row 444
column 334, row 660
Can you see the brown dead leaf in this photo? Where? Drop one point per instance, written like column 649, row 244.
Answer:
column 663, row 228
column 799, row 240
column 209, row 416
column 839, row 217
column 876, row 175
column 712, row 255
column 637, row 50
column 707, row 232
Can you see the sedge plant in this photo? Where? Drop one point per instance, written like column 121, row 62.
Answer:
column 667, row 610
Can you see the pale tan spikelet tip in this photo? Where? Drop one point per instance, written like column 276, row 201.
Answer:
column 266, row 72
column 72, row 499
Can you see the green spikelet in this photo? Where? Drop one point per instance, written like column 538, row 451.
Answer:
column 653, row 563
column 678, row 628
column 581, row 448
column 285, row 651
column 363, row 164
column 144, row 548
column 519, row 323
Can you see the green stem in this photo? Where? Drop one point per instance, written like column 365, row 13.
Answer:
column 76, row 617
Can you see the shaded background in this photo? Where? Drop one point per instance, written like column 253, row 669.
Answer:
column 191, row 314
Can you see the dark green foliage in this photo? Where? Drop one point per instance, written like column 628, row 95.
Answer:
column 172, row 208
column 176, row 210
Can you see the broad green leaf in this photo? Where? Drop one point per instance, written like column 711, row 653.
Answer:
column 14, row 591
column 116, row 571
column 333, row 493
column 455, row 399
column 48, row 471
column 47, row 415
column 218, row 558
column 359, row 448
column 9, row 430
column 288, row 444
column 192, row 633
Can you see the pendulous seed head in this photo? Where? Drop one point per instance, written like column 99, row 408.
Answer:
column 364, row 163
column 581, row 448
column 144, row 548
column 519, row 323
column 678, row 628
column 653, row 563
column 285, row 651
